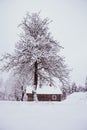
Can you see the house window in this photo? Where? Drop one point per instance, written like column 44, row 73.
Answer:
column 54, row 97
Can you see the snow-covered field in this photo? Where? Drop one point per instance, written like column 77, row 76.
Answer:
column 70, row 114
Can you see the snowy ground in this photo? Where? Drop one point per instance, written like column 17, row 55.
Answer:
column 70, row 114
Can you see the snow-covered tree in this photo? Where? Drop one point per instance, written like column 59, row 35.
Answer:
column 15, row 87
column 36, row 55
column 74, row 87
column 1, row 82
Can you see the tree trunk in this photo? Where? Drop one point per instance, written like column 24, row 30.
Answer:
column 22, row 96
column 35, row 82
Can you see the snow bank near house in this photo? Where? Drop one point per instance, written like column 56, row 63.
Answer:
column 65, row 115
column 77, row 98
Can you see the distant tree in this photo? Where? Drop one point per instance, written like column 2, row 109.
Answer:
column 36, row 54
column 2, row 96
column 81, row 88
column 64, row 92
column 86, row 84
column 69, row 90
column 9, row 93
column 16, row 86
column 74, row 87
column 1, row 81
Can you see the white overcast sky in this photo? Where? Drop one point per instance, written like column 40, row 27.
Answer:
column 69, row 27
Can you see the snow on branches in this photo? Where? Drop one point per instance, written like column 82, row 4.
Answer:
column 36, row 54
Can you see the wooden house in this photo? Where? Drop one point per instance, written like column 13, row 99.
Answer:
column 45, row 93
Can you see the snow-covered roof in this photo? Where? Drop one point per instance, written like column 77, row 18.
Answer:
column 45, row 90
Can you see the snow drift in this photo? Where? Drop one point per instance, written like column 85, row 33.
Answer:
column 70, row 114
column 77, row 98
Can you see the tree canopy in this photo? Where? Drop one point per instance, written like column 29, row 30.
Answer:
column 37, row 54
